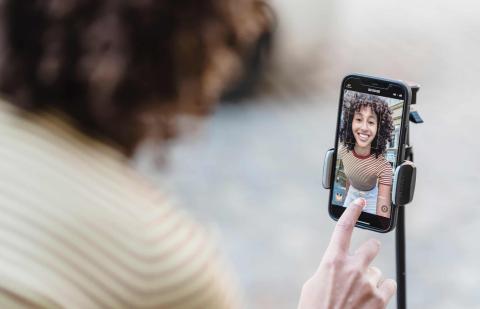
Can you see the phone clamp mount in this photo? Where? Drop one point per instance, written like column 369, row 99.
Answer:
column 403, row 189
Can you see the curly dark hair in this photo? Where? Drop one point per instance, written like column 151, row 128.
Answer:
column 123, row 69
column 353, row 102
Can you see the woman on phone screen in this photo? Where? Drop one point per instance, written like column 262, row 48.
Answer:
column 367, row 126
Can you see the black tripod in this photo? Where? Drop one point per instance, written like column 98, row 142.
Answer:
column 400, row 229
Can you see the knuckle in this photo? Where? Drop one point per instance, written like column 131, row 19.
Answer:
column 367, row 287
column 354, row 272
column 334, row 263
column 368, row 250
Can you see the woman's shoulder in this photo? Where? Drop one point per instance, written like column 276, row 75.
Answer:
column 104, row 226
column 383, row 164
column 108, row 237
column 342, row 149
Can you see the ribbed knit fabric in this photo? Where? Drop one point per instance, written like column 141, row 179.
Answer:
column 364, row 172
column 80, row 229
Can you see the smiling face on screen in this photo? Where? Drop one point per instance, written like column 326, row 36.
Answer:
column 364, row 126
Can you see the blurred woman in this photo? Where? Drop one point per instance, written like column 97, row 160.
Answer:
column 83, row 83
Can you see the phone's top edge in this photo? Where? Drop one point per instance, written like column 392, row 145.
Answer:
column 407, row 84
column 408, row 87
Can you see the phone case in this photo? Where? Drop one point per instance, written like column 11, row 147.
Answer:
column 401, row 145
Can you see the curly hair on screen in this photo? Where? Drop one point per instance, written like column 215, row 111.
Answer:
column 353, row 103
column 122, row 70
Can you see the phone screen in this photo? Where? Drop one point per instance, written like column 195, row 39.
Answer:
column 369, row 144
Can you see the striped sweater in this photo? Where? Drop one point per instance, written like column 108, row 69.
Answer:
column 80, row 229
column 363, row 172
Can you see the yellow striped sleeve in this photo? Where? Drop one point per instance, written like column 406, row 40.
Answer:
column 80, row 229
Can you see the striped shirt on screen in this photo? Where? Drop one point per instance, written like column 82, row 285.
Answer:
column 363, row 172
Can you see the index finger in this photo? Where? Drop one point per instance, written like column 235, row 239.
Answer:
column 340, row 241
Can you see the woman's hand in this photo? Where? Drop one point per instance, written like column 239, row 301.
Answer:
column 344, row 280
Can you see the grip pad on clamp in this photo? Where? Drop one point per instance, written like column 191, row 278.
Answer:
column 327, row 168
column 404, row 183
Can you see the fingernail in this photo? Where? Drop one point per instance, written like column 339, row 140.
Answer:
column 360, row 202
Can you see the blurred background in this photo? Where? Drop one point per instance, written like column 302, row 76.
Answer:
column 253, row 172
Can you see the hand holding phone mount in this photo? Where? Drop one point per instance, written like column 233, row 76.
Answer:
column 402, row 193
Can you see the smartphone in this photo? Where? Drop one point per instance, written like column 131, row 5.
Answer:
column 370, row 137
